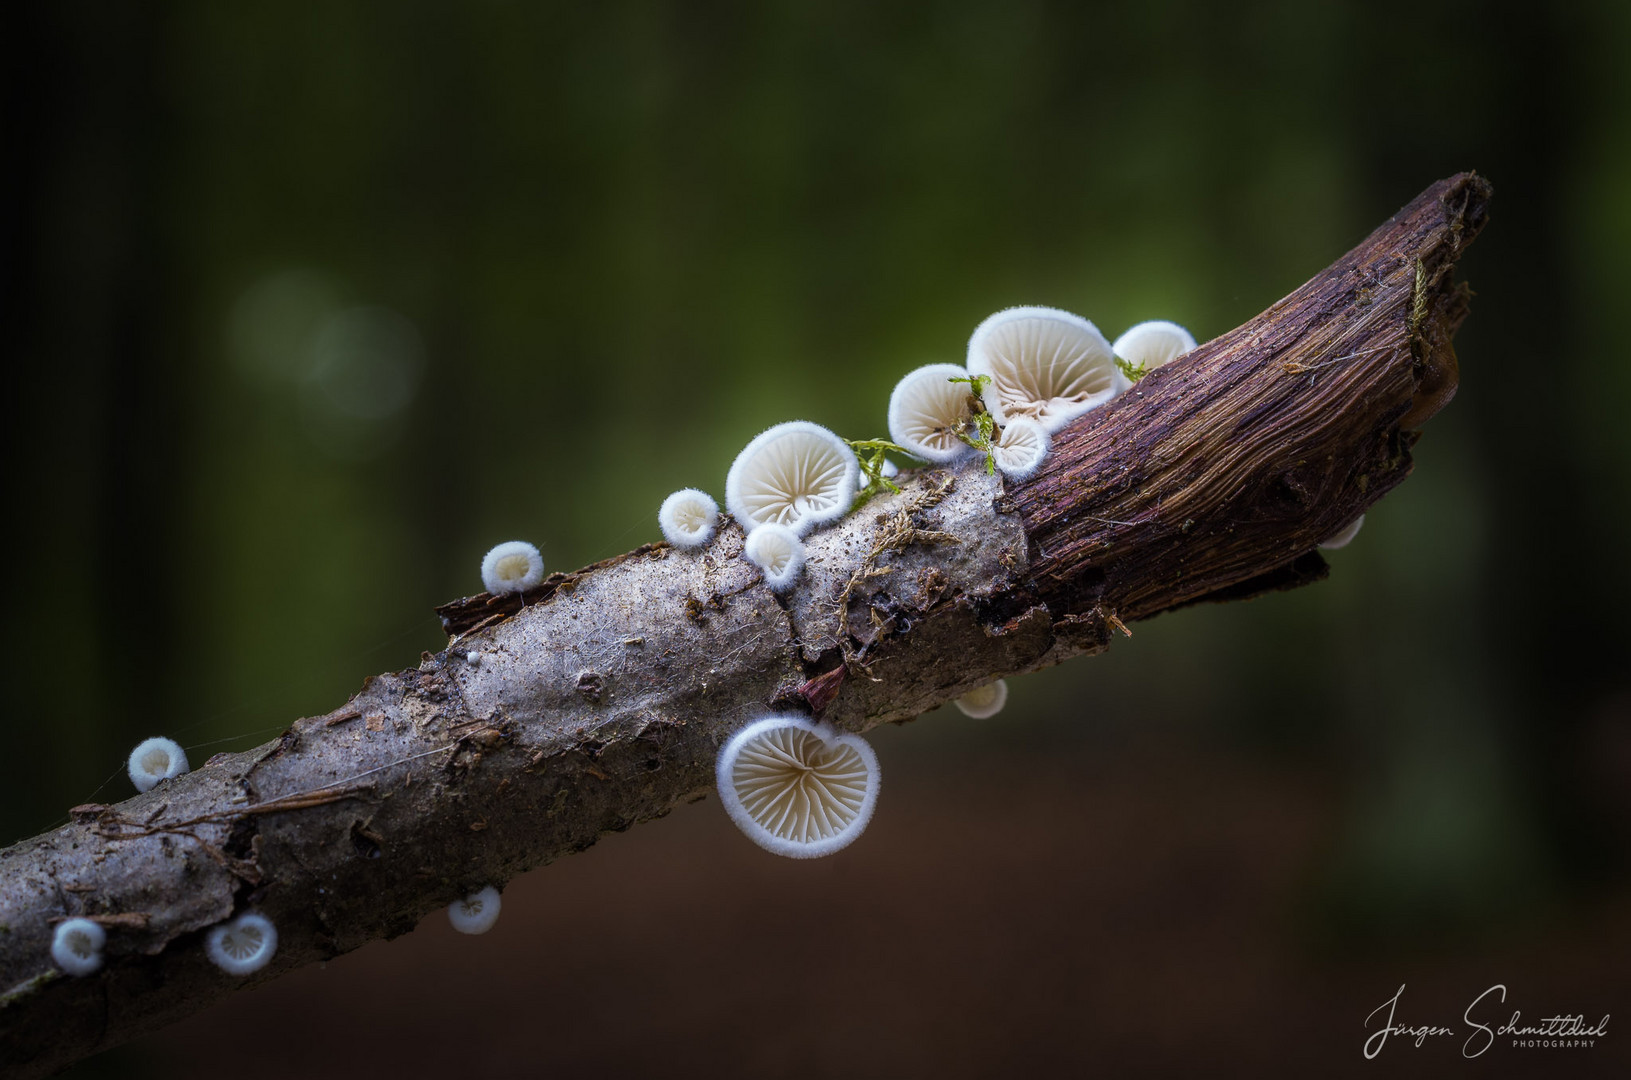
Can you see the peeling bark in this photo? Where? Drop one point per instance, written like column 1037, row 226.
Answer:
column 602, row 696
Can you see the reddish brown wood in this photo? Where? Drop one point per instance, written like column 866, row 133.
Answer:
column 1218, row 475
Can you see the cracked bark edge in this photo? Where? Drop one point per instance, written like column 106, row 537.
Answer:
column 603, row 695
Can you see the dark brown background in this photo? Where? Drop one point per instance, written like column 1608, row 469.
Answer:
column 310, row 304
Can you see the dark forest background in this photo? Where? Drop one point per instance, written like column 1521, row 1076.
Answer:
column 309, row 304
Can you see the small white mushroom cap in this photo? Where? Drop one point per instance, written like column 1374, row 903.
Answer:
column 1151, row 344
column 798, row 788
column 154, row 760
column 77, row 946
column 476, row 913
column 984, row 701
column 243, row 945
column 688, row 518
column 1045, row 364
column 1343, row 538
column 889, row 470
column 778, row 551
column 926, row 410
column 1021, row 445
column 796, row 474
column 511, row 567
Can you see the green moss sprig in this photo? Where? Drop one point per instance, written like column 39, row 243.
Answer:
column 980, row 429
column 1134, row 372
column 871, row 455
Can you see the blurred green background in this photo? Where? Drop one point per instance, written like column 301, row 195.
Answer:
column 311, row 304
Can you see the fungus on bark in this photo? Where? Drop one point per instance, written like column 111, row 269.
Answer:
column 476, row 913
column 798, row 788
column 154, row 760
column 984, row 701
column 1045, row 364
column 76, row 946
column 688, row 518
column 1019, row 449
column 927, row 411
column 796, row 474
column 1150, row 345
column 1345, row 536
column 778, row 551
column 243, row 945
column 512, row 567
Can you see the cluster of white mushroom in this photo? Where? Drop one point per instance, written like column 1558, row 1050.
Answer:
column 1032, row 370
column 802, row 788
column 238, row 946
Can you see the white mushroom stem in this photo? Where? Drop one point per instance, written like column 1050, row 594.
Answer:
column 1045, row 365
column 798, row 788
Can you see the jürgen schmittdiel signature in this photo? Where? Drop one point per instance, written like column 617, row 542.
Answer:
column 1558, row 1031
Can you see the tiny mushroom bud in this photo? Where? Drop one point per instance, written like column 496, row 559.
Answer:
column 889, row 470
column 511, row 567
column 1343, row 538
column 243, row 945
column 1020, row 448
column 927, row 410
column 798, row 788
column 688, row 518
column 473, row 658
column 1045, row 364
column 476, row 913
column 154, row 760
column 984, row 701
column 1149, row 345
column 778, row 551
column 796, row 474
column 77, row 946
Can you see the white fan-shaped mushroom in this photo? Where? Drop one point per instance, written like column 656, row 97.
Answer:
column 796, row 474
column 476, row 913
column 778, row 551
column 511, row 567
column 1021, row 445
column 1345, row 537
column 1045, row 364
column 77, row 946
column 798, row 788
column 243, row 945
column 688, row 518
column 926, row 410
column 154, row 760
column 1149, row 345
column 984, row 701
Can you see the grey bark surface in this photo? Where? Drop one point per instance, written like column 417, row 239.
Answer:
column 602, row 697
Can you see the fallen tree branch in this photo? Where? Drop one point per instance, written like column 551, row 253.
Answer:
column 601, row 697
